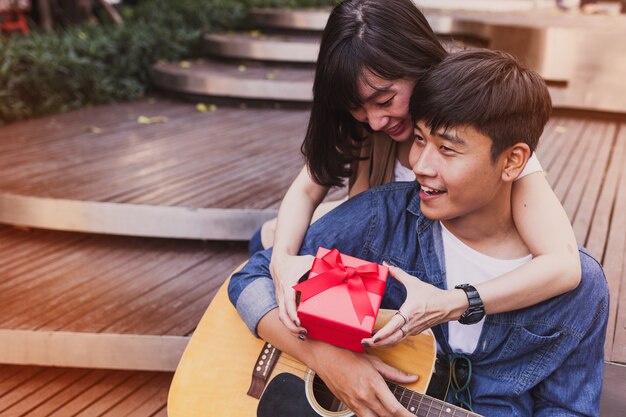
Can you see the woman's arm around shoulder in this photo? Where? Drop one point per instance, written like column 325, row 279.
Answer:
column 555, row 269
column 547, row 232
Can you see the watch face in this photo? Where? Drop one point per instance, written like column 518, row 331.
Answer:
column 472, row 317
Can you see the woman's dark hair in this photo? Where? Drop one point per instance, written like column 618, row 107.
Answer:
column 487, row 90
column 392, row 40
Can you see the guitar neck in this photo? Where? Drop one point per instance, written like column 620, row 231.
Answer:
column 424, row 406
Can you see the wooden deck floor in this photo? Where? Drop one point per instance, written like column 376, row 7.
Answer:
column 60, row 281
column 218, row 159
column 60, row 392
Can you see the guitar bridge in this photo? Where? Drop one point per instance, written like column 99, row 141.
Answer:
column 262, row 369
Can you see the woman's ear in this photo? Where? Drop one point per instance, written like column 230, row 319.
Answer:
column 516, row 158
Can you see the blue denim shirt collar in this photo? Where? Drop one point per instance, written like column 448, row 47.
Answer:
column 431, row 244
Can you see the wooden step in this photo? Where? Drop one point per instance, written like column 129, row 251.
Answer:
column 99, row 301
column 30, row 391
column 254, row 45
column 68, row 392
column 246, row 80
column 213, row 174
column 559, row 46
column 291, row 19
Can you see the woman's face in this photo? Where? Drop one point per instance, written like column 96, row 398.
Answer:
column 385, row 106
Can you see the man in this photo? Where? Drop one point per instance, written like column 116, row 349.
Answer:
column 479, row 116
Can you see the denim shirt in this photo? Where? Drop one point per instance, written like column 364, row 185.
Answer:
column 544, row 360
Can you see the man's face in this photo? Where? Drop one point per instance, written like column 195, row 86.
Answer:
column 454, row 168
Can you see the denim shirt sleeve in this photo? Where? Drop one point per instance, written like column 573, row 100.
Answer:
column 346, row 228
column 575, row 387
column 251, row 290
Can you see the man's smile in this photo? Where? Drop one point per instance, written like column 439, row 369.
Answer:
column 431, row 191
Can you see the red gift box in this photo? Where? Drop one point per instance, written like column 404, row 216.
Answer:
column 340, row 300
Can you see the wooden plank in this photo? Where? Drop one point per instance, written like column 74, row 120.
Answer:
column 37, row 397
column 113, row 397
column 67, row 393
column 89, row 350
column 131, row 298
column 566, row 134
column 96, row 167
column 568, row 168
column 12, row 397
column 91, row 396
column 547, row 139
column 146, row 401
column 63, row 291
column 184, row 222
column 581, row 200
column 123, row 157
column 15, row 377
column 600, row 225
column 176, row 318
column 615, row 269
column 107, row 280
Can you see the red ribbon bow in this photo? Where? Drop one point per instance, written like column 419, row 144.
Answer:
column 333, row 272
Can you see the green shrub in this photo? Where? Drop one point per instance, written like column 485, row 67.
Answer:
column 45, row 73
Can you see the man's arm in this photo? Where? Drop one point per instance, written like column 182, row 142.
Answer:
column 356, row 379
column 252, row 290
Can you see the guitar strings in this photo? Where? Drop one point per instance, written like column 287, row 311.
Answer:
column 436, row 408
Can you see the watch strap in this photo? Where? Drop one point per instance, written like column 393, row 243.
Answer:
column 476, row 310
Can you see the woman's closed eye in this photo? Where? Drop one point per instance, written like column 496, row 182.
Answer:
column 386, row 103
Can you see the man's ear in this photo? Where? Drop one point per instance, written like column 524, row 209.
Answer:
column 516, row 158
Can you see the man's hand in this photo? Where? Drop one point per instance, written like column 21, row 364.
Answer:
column 357, row 380
column 425, row 306
column 286, row 271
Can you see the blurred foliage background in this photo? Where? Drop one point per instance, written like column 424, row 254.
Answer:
column 86, row 64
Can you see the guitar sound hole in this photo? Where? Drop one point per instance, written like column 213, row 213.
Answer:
column 325, row 398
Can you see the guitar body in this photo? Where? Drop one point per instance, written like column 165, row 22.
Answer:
column 215, row 371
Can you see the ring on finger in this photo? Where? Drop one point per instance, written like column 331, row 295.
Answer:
column 403, row 332
column 405, row 318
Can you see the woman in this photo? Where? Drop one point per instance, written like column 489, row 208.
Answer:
column 371, row 55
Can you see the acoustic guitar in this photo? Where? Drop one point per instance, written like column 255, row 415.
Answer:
column 215, row 375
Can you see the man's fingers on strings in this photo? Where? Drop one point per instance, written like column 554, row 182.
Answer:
column 391, row 405
column 393, row 374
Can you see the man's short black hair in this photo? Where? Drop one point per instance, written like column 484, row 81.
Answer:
column 487, row 90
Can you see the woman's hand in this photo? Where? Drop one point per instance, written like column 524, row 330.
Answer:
column 286, row 270
column 425, row 306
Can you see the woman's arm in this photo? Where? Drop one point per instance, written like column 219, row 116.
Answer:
column 294, row 216
column 555, row 268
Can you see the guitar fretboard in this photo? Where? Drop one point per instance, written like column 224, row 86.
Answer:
column 424, row 406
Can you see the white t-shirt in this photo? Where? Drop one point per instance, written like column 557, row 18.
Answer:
column 465, row 265
column 402, row 173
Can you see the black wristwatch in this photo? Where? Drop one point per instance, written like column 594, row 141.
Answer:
column 476, row 310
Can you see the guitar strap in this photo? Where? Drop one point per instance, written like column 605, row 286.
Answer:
column 440, row 379
column 263, row 369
